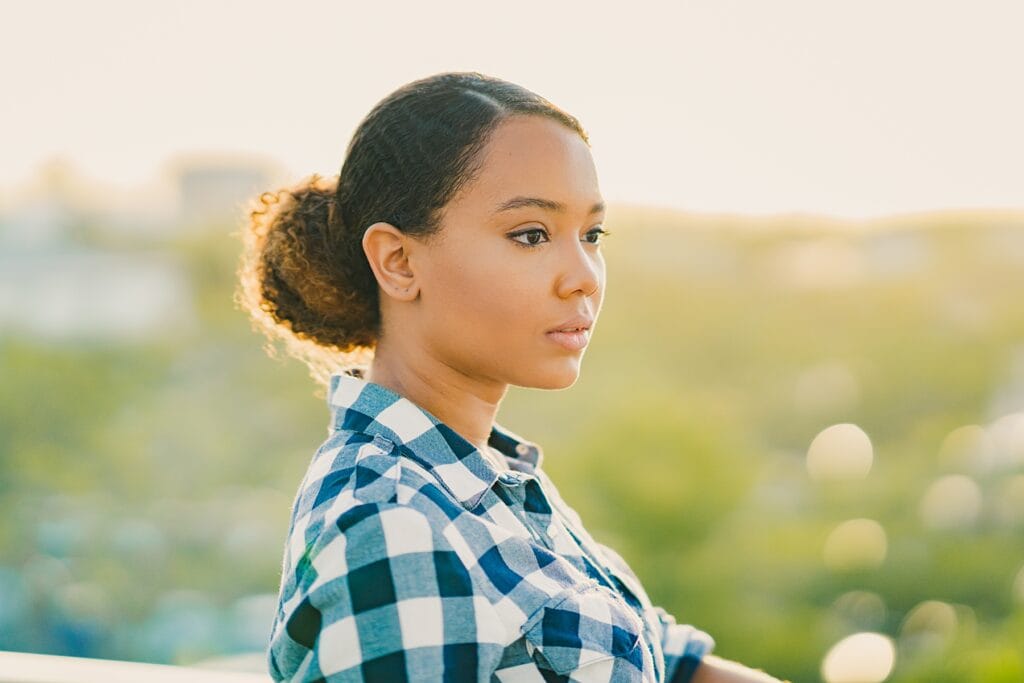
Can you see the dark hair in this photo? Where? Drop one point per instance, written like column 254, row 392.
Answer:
column 303, row 275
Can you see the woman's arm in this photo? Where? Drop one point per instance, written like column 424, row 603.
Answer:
column 714, row 669
column 381, row 596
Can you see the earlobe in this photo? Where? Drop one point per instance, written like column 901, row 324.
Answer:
column 386, row 249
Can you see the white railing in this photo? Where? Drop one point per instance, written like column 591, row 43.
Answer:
column 23, row 667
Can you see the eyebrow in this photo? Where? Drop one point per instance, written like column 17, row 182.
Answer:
column 548, row 204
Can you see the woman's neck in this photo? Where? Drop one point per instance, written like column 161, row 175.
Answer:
column 467, row 406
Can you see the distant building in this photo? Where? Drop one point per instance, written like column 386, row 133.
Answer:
column 67, row 295
column 897, row 253
column 211, row 190
column 47, row 213
column 57, row 287
column 36, row 224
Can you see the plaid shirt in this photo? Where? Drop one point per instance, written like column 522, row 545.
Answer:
column 409, row 557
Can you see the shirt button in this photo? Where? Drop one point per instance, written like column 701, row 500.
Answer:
column 522, row 449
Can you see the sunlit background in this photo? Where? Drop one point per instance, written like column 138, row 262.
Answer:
column 807, row 388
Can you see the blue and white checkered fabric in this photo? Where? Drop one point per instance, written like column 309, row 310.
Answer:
column 410, row 558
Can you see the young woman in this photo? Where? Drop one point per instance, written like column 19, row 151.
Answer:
column 458, row 252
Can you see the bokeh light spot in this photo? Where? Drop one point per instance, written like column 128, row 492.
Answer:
column 861, row 658
column 1018, row 588
column 951, row 502
column 842, row 451
column 929, row 625
column 859, row 609
column 1007, row 434
column 856, row 544
column 967, row 448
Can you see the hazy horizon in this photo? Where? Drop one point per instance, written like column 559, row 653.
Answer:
column 850, row 111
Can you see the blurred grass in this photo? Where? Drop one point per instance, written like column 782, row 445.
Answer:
column 146, row 488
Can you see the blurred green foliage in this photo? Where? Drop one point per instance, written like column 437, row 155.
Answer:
column 145, row 489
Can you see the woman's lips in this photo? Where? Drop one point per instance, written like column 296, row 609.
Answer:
column 573, row 341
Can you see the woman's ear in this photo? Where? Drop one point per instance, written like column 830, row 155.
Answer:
column 387, row 249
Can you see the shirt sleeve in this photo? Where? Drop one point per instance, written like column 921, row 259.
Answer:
column 684, row 647
column 382, row 596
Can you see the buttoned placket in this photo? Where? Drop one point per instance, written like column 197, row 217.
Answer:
column 515, row 483
column 598, row 565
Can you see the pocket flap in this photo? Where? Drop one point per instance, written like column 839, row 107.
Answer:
column 587, row 624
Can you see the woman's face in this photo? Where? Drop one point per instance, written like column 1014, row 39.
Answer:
column 518, row 256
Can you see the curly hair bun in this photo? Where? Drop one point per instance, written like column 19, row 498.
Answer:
column 296, row 273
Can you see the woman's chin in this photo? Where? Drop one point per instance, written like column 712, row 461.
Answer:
column 556, row 376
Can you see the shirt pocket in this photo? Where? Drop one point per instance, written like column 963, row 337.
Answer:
column 580, row 628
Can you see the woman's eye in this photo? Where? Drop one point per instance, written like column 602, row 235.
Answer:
column 529, row 234
column 536, row 236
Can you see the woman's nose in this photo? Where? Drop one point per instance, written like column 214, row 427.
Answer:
column 583, row 271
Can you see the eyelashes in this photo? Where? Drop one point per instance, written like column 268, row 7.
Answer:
column 597, row 232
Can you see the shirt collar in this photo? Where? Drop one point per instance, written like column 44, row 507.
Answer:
column 359, row 405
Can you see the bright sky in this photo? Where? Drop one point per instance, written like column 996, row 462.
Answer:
column 852, row 108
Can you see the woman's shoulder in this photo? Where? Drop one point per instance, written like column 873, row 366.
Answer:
column 371, row 567
column 356, row 470
column 359, row 503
